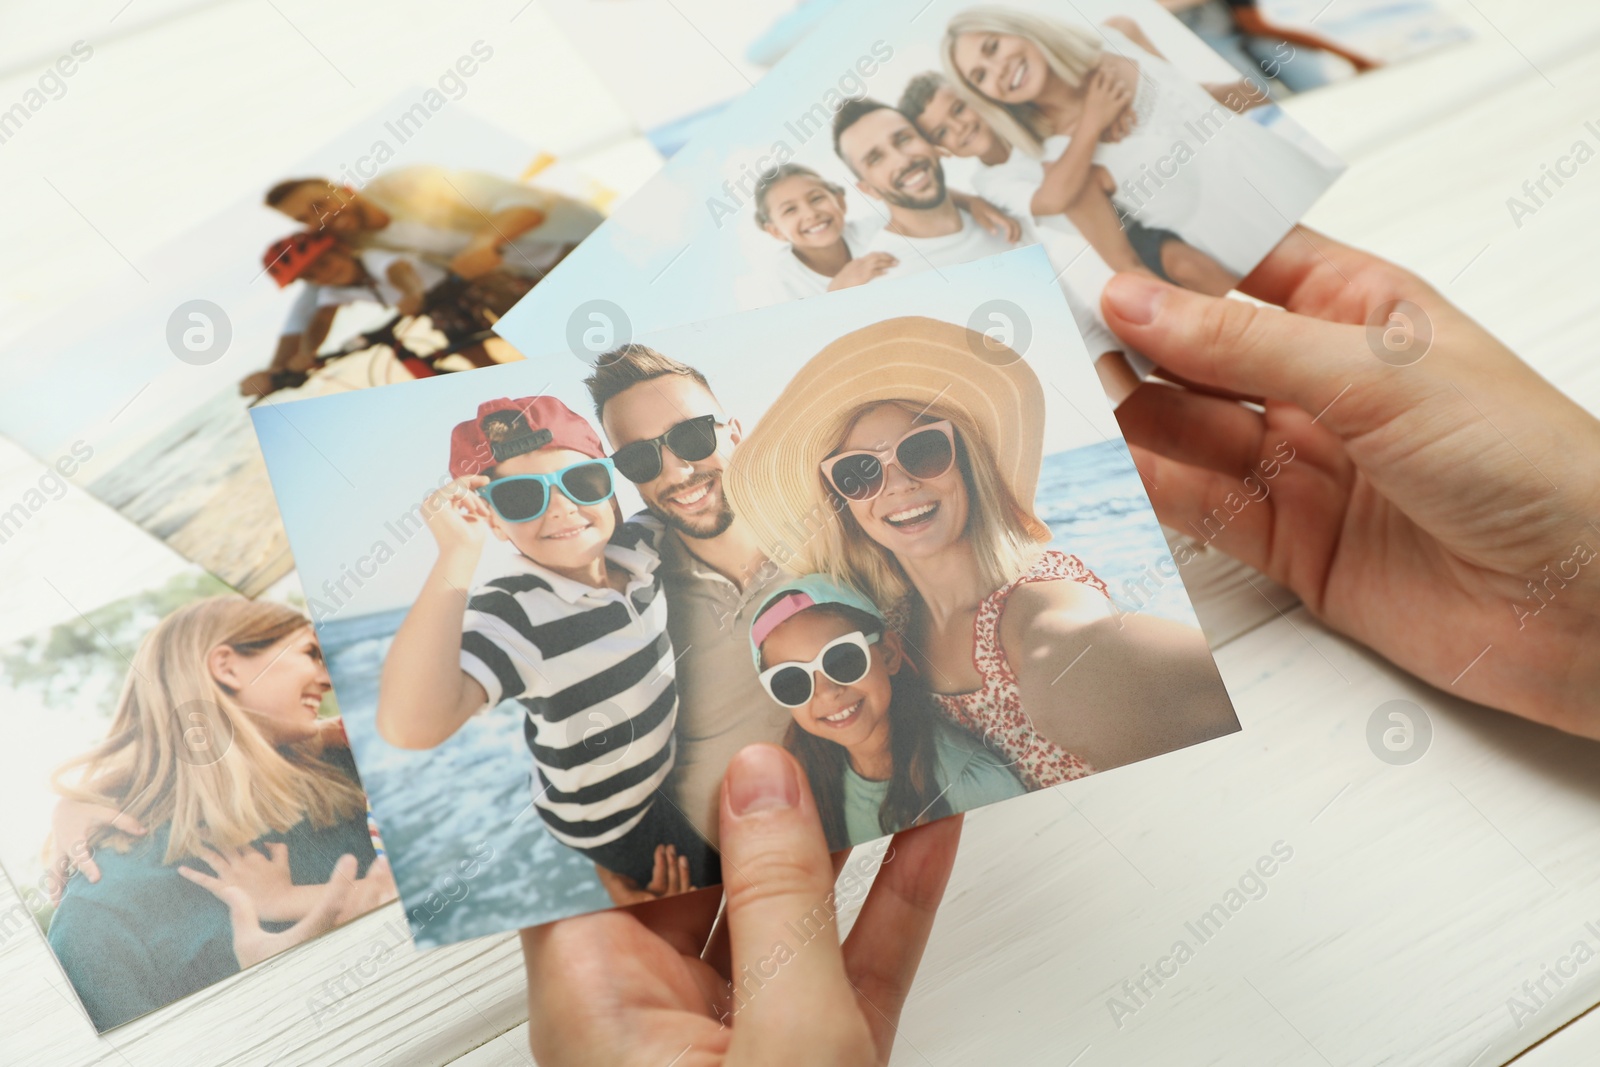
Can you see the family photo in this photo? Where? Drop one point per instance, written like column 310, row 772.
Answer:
column 386, row 256
column 567, row 592
column 1107, row 132
column 181, row 802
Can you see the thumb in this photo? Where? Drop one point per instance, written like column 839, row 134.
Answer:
column 787, row 968
column 1326, row 368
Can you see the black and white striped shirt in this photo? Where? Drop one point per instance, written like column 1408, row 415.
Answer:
column 593, row 671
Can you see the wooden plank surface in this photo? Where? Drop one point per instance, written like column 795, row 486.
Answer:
column 1417, row 900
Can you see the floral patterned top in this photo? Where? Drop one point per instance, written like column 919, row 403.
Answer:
column 994, row 712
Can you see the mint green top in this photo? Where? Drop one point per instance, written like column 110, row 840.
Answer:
column 975, row 774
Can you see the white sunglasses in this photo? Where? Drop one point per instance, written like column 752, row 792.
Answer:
column 844, row 659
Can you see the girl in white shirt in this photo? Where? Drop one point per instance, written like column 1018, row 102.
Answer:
column 823, row 250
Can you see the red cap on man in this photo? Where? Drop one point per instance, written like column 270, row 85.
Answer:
column 504, row 428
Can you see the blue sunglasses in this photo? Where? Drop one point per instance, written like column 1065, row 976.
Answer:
column 524, row 497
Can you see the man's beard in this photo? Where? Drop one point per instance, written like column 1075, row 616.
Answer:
column 932, row 199
column 702, row 527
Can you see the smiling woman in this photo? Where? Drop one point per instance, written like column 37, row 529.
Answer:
column 920, row 441
column 216, row 807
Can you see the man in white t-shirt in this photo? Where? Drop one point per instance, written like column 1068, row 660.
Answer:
column 897, row 167
column 463, row 221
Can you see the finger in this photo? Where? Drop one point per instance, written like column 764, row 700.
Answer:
column 241, row 911
column 682, row 884
column 1312, row 274
column 1325, row 368
column 885, row 946
column 323, row 915
column 89, row 869
column 1205, row 431
column 211, row 885
column 128, row 824
column 658, row 871
column 779, row 882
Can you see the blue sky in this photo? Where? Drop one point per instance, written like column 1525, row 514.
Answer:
column 345, row 465
column 663, row 256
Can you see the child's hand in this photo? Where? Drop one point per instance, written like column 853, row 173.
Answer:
column 669, row 878
column 863, row 269
column 1106, row 99
column 458, row 517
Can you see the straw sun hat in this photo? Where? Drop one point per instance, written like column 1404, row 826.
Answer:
column 773, row 481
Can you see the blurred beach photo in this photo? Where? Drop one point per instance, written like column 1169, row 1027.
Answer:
column 557, row 596
column 912, row 136
column 386, row 255
column 173, row 743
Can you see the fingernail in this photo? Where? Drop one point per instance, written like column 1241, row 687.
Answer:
column 1135, row 298
column 761, row 778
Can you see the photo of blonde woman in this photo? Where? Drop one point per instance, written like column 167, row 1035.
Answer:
column 218, row 822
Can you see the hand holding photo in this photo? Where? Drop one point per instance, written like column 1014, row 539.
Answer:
column 898, row 557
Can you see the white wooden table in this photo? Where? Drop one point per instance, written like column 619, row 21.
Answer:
column 1418, row 898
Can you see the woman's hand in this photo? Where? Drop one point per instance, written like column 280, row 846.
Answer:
column 1104, row 101
column 643, row 987
column 72, row 824
column 669, row 878
column 251, row 944
column 863, row 269
column 1416, row 484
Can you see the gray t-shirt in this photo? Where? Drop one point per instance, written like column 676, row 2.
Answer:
column 721, row 705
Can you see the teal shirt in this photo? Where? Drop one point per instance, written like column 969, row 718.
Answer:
column 974, row 773
column 144, row 936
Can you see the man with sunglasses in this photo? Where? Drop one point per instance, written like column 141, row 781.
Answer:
column 673, row 441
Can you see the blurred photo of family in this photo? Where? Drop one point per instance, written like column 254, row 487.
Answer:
column 859, row 573
column 344, row 271
column 433, row 248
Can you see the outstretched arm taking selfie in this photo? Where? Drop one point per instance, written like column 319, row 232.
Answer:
column 424, row 696
column 1442, row 503
column 1111, row 687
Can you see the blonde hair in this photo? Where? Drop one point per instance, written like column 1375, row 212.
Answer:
column 1004, row 536
column 252, row 788
column 1071, row 52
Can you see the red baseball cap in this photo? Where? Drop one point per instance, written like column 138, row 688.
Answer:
column 288, row 257
column 504, row 428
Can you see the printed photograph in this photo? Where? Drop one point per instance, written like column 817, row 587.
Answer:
column 386, row 256
column 1301, row 45
column 179, row 802
column 896, row 531
column 916, row 135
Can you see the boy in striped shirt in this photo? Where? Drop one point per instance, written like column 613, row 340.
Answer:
column 575, row 632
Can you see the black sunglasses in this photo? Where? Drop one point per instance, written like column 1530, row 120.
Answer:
column 690, row 440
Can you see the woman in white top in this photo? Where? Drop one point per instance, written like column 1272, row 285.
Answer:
column 1187, row 164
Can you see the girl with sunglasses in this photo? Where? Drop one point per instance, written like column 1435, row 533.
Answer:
column 573, row 628
column 879, row 756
